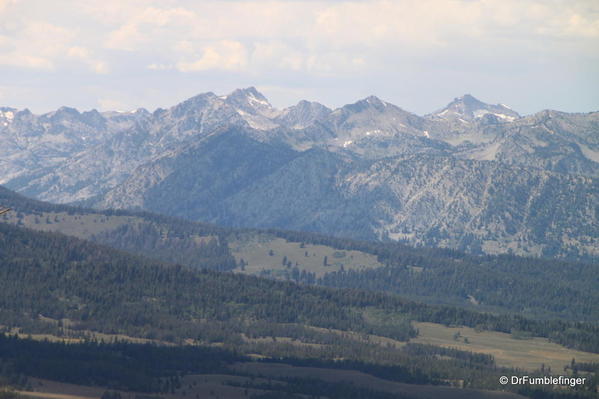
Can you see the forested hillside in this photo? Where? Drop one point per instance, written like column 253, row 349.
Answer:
column 538, row 288
column 49, row 277
column 66, row 287
column 562, row 289
column 165, row 238
column 134, row 370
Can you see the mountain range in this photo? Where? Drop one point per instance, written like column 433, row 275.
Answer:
column 471, row 176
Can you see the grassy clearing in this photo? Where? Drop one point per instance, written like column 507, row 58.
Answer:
column 276, row 256
column 78, row 225
column 364, row 338
column 59, row 390
column 73, row 337
column 526, row 354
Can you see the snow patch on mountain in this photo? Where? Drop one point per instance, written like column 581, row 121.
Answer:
column 467, row 108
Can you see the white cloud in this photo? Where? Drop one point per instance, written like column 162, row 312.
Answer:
column 303, row 29
column 25, row 61
column 5, row 4
column 292, row 40
column 320, row 35
column 112, row 104
column 100, row 67
column 147, row 25
column 37, row 44
column 84, row 55
column 34, row 45
column 277, row 54
column 160, row 67
column 78, row 52
column 225, row 54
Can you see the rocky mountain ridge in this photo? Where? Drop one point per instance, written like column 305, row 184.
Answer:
column 472, row 176
column 467, row 108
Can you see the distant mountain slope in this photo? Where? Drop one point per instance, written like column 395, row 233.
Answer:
column 196, row 245
column 368, row 169
column 193, row 179
column 469, row 205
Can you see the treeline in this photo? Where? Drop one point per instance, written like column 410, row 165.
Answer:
column 125, row 366
column 191, row 247
column 25, row 205
column 169, row 239
column 52, row 283
column 159, row 369
column 432, row 350
column 535, row 288
column 486, row 286
column 46, row 275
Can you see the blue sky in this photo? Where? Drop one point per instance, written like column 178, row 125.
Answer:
column 418, row 54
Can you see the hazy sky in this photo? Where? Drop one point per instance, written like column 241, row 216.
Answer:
column 418, row 54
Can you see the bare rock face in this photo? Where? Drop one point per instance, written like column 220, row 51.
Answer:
column 472, row 176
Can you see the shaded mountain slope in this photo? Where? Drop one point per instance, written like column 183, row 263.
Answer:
column 473, row 176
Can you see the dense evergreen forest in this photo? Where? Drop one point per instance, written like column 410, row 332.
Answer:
column 535, row 288
column 161, row 237
column 49, row 276
column 160, row 369
column 67, row 287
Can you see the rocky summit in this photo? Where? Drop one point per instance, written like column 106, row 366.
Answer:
column 471, row 176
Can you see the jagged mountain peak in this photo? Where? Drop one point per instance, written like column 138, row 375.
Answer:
column 304, row 103
column 192, row 105
column 307, row 104
column 303, row 114
column 254, row 107
column 93, row 117
column 311, row 106
column 249, row 96
column 247, row 92
column 368, row 103
column 404, row 172
column 469, row 97
column 468, row 101
column 64, row 111
column 468, row 108
column 373, row 101
column 141, row 111
column 199, row 98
